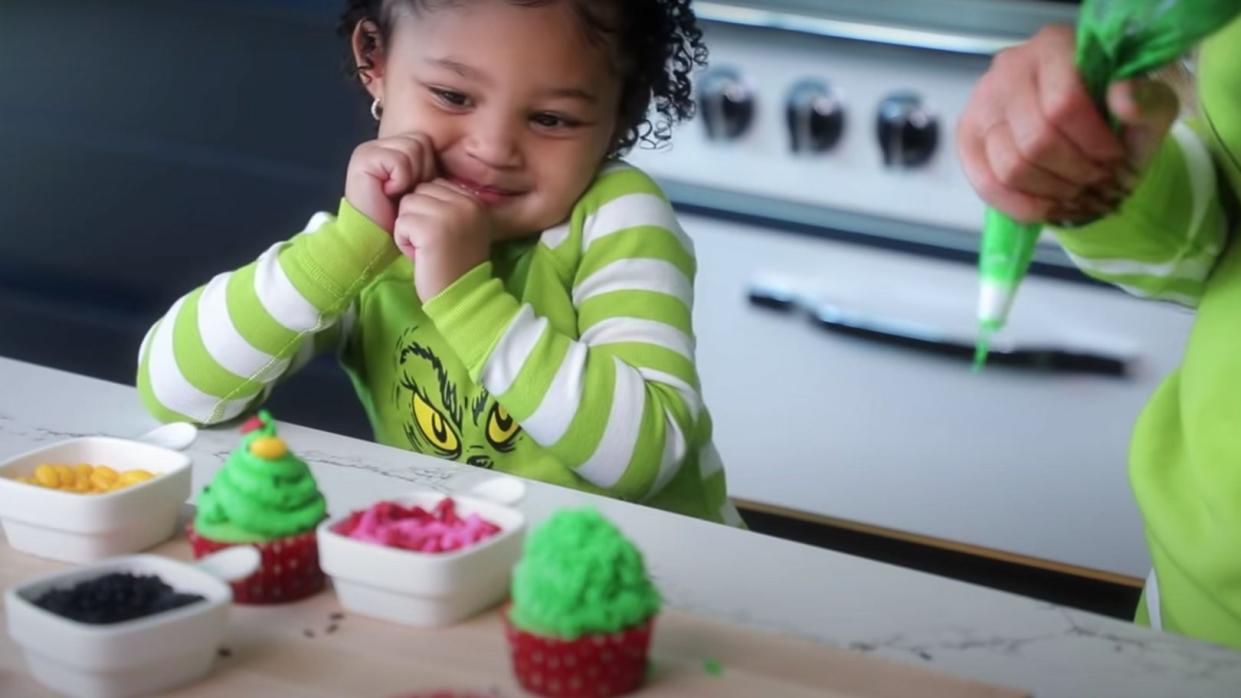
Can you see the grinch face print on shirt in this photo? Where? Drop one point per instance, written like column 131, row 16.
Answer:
column 446, row 416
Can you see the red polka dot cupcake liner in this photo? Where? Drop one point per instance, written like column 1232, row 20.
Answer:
column 592, row 666
column 288, row 569
column 448, row 694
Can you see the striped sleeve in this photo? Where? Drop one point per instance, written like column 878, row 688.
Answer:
column 619, row 403
column 221, row 348
column 1166, row 237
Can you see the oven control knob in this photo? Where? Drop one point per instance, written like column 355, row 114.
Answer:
column 908, row 132
column 816, row 117
column 726, row 104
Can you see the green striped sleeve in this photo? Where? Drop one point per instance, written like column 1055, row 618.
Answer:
column 221, row 348
column 619, row 403
column 1166, row 237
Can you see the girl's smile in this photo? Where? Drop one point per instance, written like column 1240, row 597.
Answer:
column 521, row 107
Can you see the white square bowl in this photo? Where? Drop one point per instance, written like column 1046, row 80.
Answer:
column 83, row 527
column 130, row 658
column 424, row 589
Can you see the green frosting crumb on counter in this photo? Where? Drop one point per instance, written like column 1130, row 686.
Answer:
column 262, row 492
column 713, row 667
column 579, row 575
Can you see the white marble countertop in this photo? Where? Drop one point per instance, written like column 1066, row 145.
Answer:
column 735, row 575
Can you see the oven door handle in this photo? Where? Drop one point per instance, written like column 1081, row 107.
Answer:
column 931, row 340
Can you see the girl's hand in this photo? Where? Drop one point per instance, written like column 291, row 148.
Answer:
column 1035, row 146
column 446, row 231
column 382, row 171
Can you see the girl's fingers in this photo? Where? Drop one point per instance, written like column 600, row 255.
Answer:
column 395, row 169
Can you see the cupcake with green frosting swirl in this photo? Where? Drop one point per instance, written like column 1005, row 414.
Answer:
column 583, row 608
column 266, row 497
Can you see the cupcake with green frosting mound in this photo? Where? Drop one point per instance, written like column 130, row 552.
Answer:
column 582, row 609
column 266, row 497
column 262, row 492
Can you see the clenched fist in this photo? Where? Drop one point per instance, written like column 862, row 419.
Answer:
column 382, row 171
column 445, row 230
column 1035, row 146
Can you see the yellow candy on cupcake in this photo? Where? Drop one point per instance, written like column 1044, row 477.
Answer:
column 265, row 497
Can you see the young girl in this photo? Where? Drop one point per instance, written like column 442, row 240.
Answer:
column 501, row 289
column 1035, row 147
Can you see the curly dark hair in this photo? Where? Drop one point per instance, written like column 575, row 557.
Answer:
column 656, row 45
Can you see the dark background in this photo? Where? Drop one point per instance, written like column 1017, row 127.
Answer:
column 146, row 146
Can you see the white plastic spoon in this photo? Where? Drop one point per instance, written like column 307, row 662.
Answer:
column 501, row 490
column 175, row 436
column 231, row 564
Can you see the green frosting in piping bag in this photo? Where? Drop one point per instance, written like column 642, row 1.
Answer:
column 1116, row 40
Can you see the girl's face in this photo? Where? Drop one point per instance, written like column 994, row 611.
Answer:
column 521, row 107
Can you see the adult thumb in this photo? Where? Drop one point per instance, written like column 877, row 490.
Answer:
column 1145, row 109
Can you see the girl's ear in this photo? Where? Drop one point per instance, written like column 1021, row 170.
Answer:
column 369, row 57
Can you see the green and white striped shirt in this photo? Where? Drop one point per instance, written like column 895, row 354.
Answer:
column 1175, row 239
column 1165, row 239
column 567, row 358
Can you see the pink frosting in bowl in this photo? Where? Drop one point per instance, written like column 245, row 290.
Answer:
column 438, row 530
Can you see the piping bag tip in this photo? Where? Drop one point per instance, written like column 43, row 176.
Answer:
column 982, row 346
column 980, row 355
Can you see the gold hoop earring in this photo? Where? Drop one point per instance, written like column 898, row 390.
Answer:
column 377, row 109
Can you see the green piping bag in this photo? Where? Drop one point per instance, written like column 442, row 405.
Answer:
column 1116, row 40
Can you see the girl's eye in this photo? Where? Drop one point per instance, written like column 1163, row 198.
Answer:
column 548, row 120
column 451, row 97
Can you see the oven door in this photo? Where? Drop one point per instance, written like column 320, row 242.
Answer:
column 838, row 385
